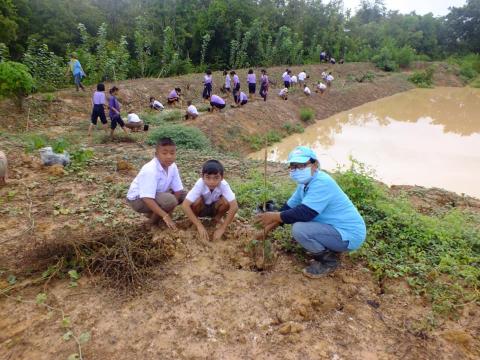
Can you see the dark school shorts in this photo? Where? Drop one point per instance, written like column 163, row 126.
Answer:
column 252, row 88
column 243, row 102
column 218, row 106
column 172, row 100
column 98, row 112
column 287, row 84
column 117, row 119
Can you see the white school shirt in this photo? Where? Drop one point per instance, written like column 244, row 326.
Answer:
column 153, row 178
column 157, row 103
column 283, row 92
column 133, row 118
column 210, row 196
column 307, row 91
column 293, row 79
column 228, row 81
column 302, row 76
column 283, row 75
column 192, row 110
column 330, row 78
column 243, row 96
column 324, row 75
column 322, row 86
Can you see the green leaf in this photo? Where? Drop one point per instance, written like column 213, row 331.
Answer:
column 74, row 275
column 41, row 298
column 12, row 279
column 67, row 335
column 84, row 337
column 66, row 322
column 73, row 357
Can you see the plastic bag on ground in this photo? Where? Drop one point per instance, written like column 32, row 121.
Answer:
column 48, row 157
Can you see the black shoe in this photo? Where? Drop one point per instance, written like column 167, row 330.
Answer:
column 317, row 269
column 326, row 257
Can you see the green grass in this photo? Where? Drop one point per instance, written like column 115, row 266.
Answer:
column 423, row 79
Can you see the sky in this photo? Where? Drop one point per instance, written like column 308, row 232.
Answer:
column 421, row 7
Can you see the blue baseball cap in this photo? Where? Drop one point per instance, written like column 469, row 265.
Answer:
column 301, row 154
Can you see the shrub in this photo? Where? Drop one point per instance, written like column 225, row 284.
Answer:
column 438, row 255
column 15, row 81
column 293, row 129
column 256, row 142
column 404, row 56
column 184, row 136
column 423, row 79
column 307, row 114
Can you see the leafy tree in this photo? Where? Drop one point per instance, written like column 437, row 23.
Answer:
column 15, row 81
column 45, row 67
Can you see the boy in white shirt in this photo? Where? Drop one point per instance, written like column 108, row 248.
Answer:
column 321, row 87
column 293, row 80
column 301, row 77
column 329, row 79
column 155, row 104
column 306, row 90
column 211, row 197
column 283, row 93
column 192, row 111
column 134, row 123
column 158, row 189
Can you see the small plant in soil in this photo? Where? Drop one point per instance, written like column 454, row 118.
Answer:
column 307, row 114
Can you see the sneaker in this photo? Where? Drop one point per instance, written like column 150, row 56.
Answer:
column 317, row 269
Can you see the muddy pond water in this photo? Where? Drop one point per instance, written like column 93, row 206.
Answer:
column 427, row 137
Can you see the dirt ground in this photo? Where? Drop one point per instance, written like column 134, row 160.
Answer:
column 203, row 302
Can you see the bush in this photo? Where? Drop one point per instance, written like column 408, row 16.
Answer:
column 404, row 56
column 438, row 255
column 423, row 79
column 307, row 114
column 184, row 136
column 293, row 129
column 256, row 142
column 15, row 81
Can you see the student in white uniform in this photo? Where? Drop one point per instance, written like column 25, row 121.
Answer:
column 155, row 104
column 158, row 189
column 301, row 78
column 283, row 93
column 329, row 79
column 320, row 87
column 306, row 90
column 192, row 111
column 293, row 80
column 134, row 123
column 211, row 197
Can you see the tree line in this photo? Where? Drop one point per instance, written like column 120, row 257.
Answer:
column 118, row 39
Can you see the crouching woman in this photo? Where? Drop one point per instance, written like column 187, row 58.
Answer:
column 325, row 221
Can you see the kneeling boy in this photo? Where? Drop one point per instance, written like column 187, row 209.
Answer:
column 158, row 189
column 211, row 197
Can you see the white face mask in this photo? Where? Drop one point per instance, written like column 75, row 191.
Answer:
column 301, row 176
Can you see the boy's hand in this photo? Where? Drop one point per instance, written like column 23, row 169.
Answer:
column 217, row 235
column 203, row 234
column 168, row 220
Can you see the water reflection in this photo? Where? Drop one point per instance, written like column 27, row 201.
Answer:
column 428, row 137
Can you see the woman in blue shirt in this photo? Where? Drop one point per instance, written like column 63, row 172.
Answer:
column 325, row 221
column 77, row 71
